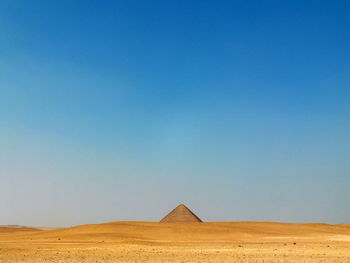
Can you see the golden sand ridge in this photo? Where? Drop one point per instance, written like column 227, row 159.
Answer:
column 180, row 236
column 178, row 242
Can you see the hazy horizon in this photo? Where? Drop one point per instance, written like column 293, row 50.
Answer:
column 121, row 110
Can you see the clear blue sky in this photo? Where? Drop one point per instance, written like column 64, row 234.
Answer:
column 120, row 110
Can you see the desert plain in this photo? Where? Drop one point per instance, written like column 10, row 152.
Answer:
column 178, row 242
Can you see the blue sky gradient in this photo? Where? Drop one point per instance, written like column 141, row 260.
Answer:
column 120, row 110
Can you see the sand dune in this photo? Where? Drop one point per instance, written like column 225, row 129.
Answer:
column 178, row 242
column 17, row 229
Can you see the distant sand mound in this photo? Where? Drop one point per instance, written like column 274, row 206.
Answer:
column 17, row 229
column 181, row 214
column 177, row 233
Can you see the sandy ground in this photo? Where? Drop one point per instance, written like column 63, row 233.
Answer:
column 178, row 242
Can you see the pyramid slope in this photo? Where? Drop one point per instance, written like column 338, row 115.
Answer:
column 181, row 214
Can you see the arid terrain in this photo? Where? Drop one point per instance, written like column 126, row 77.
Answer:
column 178, row 242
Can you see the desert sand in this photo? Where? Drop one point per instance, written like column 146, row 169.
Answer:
column 178, row 242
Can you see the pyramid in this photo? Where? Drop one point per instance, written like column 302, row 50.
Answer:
column 181, row 214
